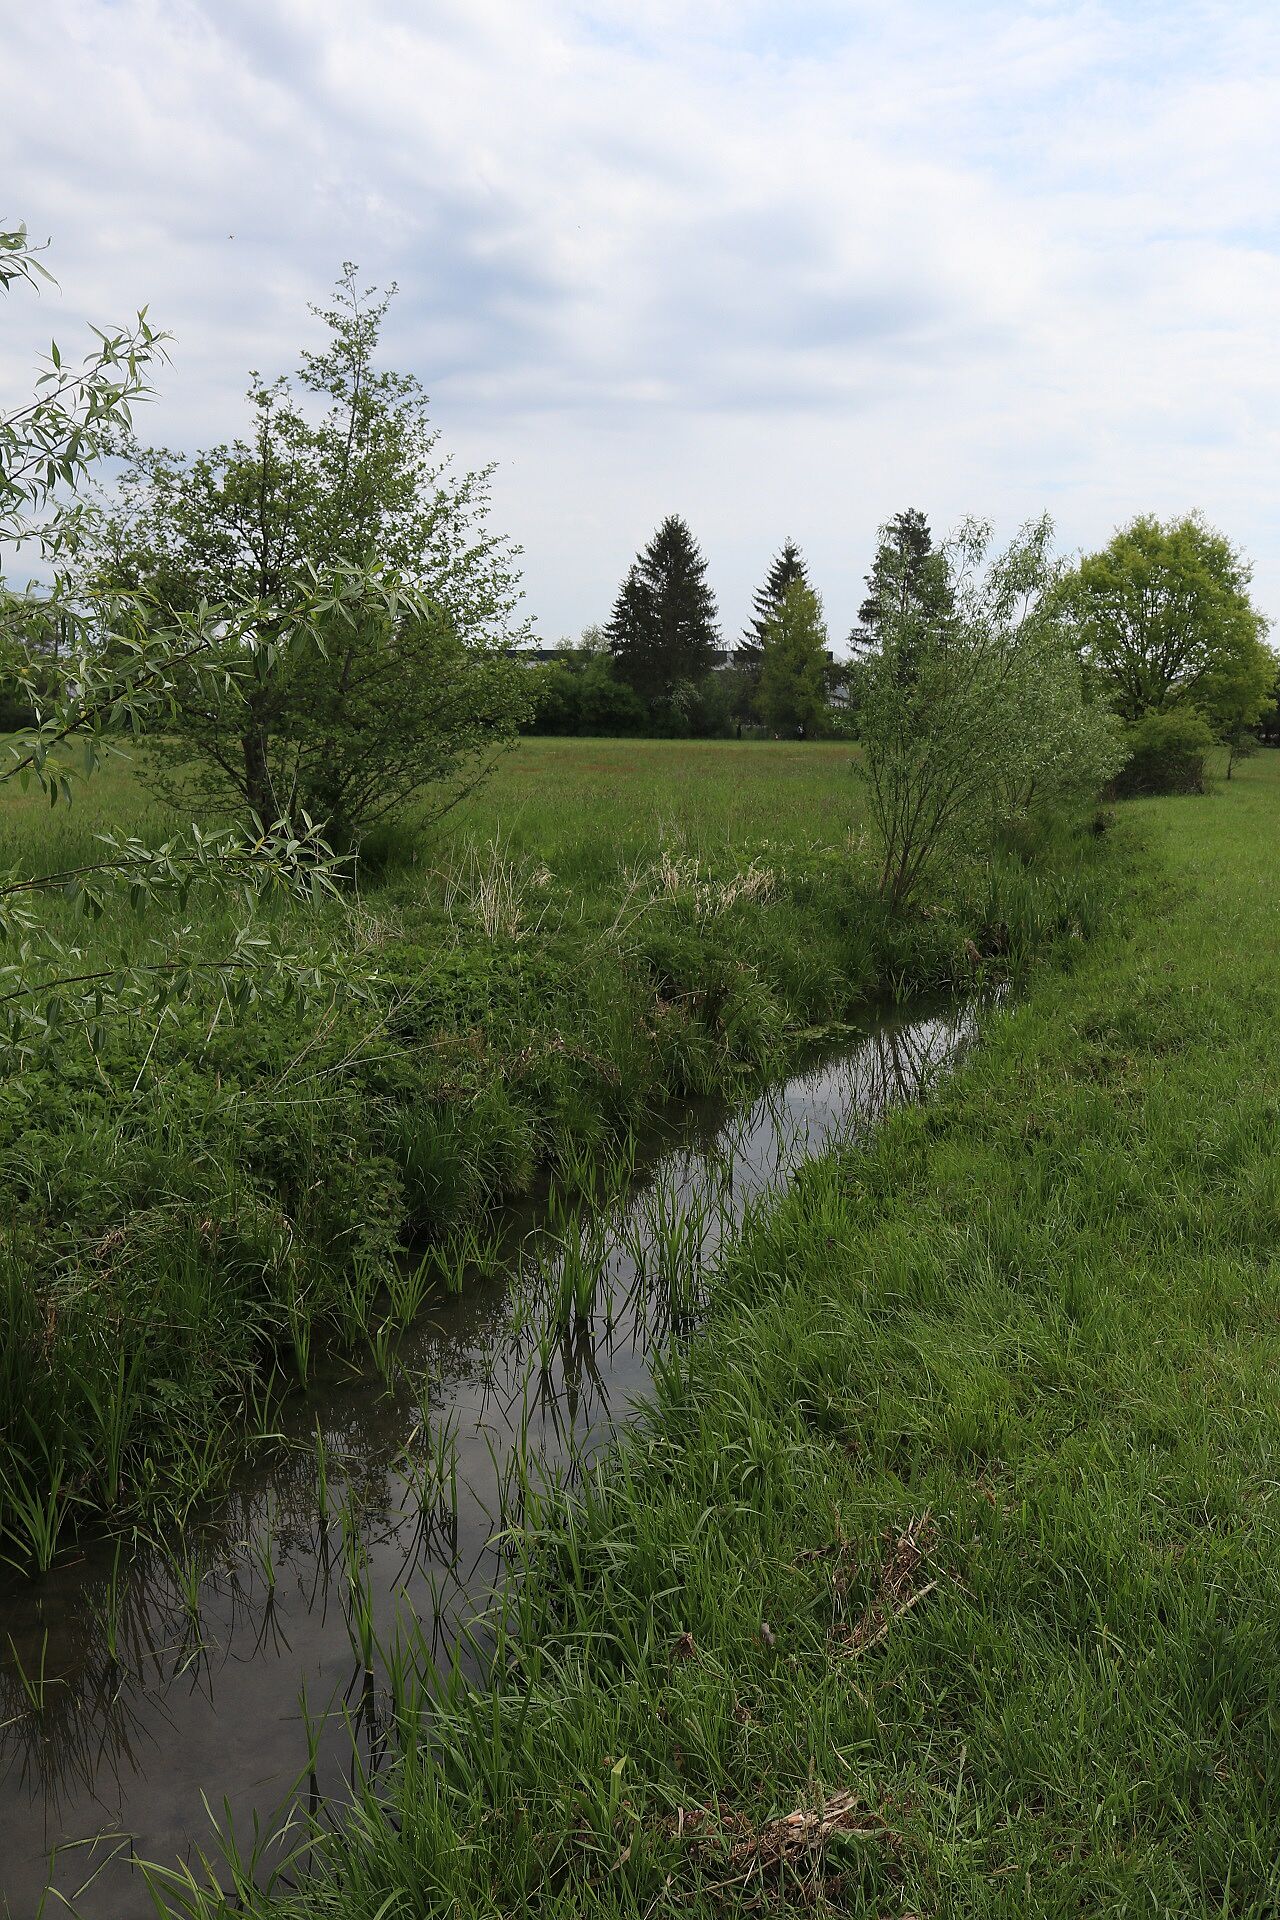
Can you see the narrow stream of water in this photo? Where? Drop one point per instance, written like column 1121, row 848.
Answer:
column 236, row 1673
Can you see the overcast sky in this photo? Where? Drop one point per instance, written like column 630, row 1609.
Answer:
column 782, row 266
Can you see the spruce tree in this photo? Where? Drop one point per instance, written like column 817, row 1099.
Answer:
column 663, row 631
column 787, row 566
column 907, row 577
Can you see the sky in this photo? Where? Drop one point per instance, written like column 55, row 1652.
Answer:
column 781, row 266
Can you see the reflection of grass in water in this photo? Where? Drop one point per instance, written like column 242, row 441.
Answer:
column 941, row 1577
column 669, row 1224
column 34, row 1684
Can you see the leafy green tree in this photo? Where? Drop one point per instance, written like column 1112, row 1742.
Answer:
column 1162, row 616
column 1269, row 720
column 408, row 694
column 792, row 696
column 607, row 705
column 978, row 717
column 1166, row 751
column 663, row 632
column 579, row 693
column 93, row 663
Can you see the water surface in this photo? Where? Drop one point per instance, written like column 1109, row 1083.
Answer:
column 239, row 1679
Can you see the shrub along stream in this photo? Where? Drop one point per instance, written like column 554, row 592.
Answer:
column 205, row 1205
column 942, row 1575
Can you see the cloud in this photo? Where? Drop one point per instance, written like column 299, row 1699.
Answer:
column 782, row 268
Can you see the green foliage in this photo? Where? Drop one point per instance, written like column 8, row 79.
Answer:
column 792, row 694
column 401, row 693
column 604, row 926
column 50, row 443
column 971, row 707
column 581, row 694
column 787, row 567
column 940, row 1576
column 663, row 632
column 88, row 663
column 909, row 582
column 1242, row 744
column 1166, row 752
column 1162, row 616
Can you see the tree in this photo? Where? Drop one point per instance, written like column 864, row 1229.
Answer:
column 1162, row 616
column 786, row 567
column 663, row 631
column 909, row 581
column 1269, row 721
column 974, row 718
column 90, row 664
column 792, row 696
column 408, row 694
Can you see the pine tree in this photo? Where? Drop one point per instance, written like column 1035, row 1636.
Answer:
column 792, row 696
column 663, row 631
column 907, row 577
column 787, row 566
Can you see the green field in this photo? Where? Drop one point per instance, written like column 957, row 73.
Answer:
column 602, row 927
column 943, row 1576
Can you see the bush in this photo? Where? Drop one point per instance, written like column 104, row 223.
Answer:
column 1167, row 753
column 575, row 696
column 607, row 705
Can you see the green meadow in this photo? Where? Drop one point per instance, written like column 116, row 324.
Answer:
column 942, row 1574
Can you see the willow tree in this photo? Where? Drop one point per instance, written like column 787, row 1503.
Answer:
column 973, row 708
column 90, row 662
column 410, row 691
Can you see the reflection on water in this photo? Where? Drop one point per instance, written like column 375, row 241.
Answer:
column 141, row 1689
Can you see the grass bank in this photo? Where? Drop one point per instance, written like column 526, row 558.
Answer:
column 943, row 1577
column 603, row 927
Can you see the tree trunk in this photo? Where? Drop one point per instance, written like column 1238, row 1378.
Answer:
column 257, row 776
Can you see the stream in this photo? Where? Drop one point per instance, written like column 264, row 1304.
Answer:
column 142, row 1691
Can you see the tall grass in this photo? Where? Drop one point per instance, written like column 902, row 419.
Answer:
column 941, row 1576
column 603, row 927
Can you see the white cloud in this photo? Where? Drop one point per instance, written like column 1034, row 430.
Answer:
column 783, row 268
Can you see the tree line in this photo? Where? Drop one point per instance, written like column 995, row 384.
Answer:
column 658, row 666
column 1160, row 620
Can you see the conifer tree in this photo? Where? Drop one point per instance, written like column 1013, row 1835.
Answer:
column 663, row 632
column 787, row 566
column 908, row 578
column 792, row 697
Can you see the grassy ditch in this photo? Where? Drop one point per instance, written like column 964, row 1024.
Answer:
column 943, row 1575
column 605, row 926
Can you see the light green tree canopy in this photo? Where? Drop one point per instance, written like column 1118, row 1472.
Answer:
column 1162, row 615
column 792, row 694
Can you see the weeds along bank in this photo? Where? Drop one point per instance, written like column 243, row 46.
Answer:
column 606, row 926
column 943, row 1576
